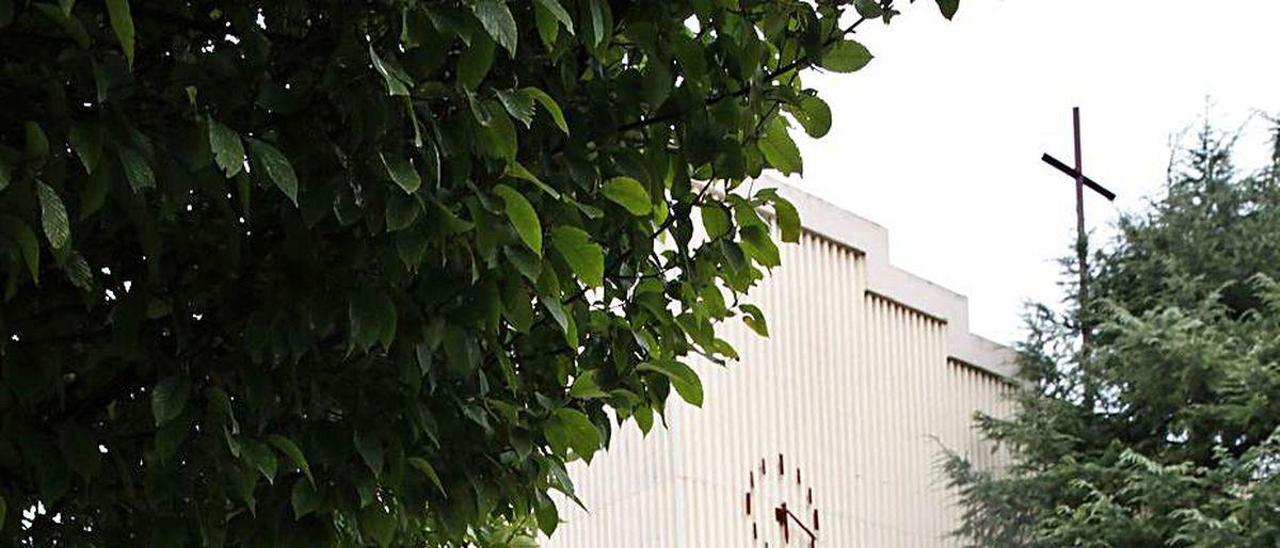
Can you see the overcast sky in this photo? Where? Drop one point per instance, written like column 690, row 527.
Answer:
column 939, row 138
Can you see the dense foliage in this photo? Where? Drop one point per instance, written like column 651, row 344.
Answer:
column 308, row 272
column 1166, row 432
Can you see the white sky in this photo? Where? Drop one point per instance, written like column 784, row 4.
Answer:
column 939, row 138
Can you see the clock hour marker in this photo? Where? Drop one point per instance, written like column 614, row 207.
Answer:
column 792, row 504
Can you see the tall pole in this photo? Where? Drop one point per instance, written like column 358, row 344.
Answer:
column 1082, row 244
column 1082, row 237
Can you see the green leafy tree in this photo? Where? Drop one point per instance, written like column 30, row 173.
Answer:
column 1167, row 432
column 308, row 272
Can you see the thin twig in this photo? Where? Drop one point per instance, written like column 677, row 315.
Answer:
column 798, row 64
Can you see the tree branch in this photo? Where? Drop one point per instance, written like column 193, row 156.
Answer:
column 798, row 64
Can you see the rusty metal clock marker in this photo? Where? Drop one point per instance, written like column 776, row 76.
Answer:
column 783, row 513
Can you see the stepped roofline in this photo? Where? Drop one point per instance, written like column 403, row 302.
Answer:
column 890, row 282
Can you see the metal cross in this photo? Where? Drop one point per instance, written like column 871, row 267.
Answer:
column 1082, row 242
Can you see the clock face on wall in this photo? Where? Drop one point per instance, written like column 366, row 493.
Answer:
column 779, row 506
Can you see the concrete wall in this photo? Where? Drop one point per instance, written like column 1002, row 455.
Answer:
column 868, row 373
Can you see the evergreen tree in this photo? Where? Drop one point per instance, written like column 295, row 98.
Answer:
column 1166, row 432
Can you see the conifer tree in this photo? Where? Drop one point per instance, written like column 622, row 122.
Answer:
column 1181, row 446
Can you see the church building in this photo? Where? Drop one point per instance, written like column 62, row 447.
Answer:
column 828, row 433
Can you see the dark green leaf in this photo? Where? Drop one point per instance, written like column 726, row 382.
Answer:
column 86, row 140
column 498, row 22
column 94, row 194
column 691, row 57
column 715, row 220
column 757, row 243
column 401, row 212
column 425, row 467
column 868, row 8
column 657, row 83
column 779, row 150
column 550, row 104
column 277, row 167
column 475, row 61
column 243, row 482
column 547, row 516
column 498, row 137
column 585, row 387
column 812, row 113
column 788, row 219
column 28, row 245
column 628, row 193
column 597, row 7
column 228, row 150
column 411, row 246
column 122, row 24
column 397, row 83
column 570, row 429
column 53, row 216
column 37, row 143
column 522, row 216
column 584, row 256
column 291, row 450
column 644, row 418
column 70, row 25
column 371, row 451
column 378, row 524
column 548, row 27
column 452, row 223
column 949, row 7
column 372, row 317
column 514, row 169
column 846, row 56
column 562, row 318
column 305, row 498
column 260, row 456
column 170, row 437
column 136, row 169
column 683, row 379
column 527, row 262
column 402, row 172
column 754, row 319
column 169, row 398
column 77, row 270
column 558, row 11
column 519, row 105
column 220, row 405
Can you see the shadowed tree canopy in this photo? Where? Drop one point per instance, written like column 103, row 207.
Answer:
column 309, row 272
column 1167, row 432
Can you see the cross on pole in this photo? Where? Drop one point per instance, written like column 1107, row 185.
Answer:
column 1082, row 243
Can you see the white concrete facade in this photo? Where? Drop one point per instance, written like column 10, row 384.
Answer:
column 868, row 373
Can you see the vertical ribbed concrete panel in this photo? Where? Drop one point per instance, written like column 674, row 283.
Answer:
column 855, row 389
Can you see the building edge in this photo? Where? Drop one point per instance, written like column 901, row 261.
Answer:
column 890, row 282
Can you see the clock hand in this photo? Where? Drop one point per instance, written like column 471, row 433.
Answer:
column 806, row 529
